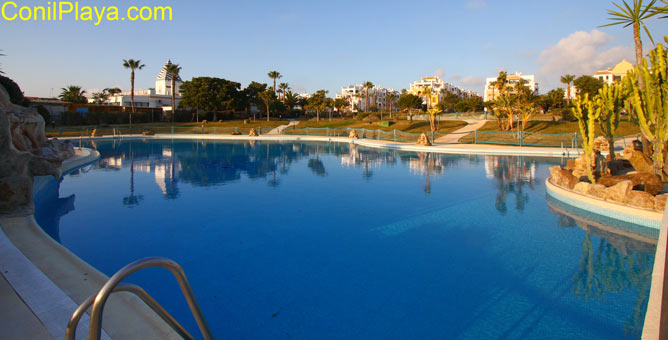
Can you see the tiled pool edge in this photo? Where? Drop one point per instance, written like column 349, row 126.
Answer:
column 646, row 218
column 656, row 318
column 126, row 317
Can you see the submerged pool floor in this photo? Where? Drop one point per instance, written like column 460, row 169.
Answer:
column 331, row 241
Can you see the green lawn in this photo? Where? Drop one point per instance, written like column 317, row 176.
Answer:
column 402, row 125
column 221, row 127
column 542, row 127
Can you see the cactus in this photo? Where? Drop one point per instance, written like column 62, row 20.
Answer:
column 610, row 101
column 587, row 113
column 649, row 102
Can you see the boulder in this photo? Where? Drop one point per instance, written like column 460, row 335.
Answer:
column 640, row 199
column 353, row 134
column 96, row 133
column 660, row 202
column 570, row 164
column 580, row 168
column 619, row 167
column 253, row 133
column 594, row 190
column 619, row 191
column 148, row 133
column 641, row 162
column 423, row 140
column 649, row 183
column 562, row 177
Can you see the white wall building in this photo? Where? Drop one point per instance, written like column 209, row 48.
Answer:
column 491, row 90
column 378, row 96
column 158, row 97
column 437, row 87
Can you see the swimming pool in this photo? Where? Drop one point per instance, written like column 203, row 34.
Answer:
column 326, row 240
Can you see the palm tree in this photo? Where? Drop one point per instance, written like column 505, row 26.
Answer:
column 112, row 91
column 367, row 86
column 633, row 16
column 283, row 87
column 173, row 71
column 391, row 97
column 274, row 75
column 359, row 96
column 267, row 96
column 73, row 94
column 568, row 79
column 132, row 65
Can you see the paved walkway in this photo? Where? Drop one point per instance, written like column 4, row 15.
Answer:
column 453, row 137
column 279, row 130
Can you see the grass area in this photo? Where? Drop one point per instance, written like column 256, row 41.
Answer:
column 543, row 127
column 163, row 127
column 402, row 125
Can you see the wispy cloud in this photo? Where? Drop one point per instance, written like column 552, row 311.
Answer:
column 439, row 72
column 476, row 4
column 469, row 82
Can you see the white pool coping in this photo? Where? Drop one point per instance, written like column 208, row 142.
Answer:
column 481, row 149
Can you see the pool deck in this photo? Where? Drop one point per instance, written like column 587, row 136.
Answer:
column 126, row 316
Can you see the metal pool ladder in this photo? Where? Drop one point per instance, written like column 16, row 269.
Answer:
column 114, row 285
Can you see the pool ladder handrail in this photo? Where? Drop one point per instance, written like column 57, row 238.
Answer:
column 114, row 285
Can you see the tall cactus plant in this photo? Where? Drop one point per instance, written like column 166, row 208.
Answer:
column 587, row 113
column 610, row 100
column 650, row 103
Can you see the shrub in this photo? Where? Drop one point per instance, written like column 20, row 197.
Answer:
column 14, row 91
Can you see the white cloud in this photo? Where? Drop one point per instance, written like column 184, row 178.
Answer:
column 582, row 53
column 476, row 4
column 439, row 72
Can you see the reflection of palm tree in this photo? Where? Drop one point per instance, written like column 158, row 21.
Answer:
column 316, row 165
column 587, row 285
column 132, row 199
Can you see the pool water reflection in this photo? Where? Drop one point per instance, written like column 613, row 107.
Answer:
column 327, row 240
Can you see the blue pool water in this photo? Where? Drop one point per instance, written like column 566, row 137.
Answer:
column 331, row 241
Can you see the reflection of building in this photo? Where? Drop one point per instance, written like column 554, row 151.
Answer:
column 158, row 97
column 367, row 158
column 494, row 163
column 426, row 164
column 492, row 91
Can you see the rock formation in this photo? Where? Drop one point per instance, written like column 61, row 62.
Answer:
column 25, row 152
column 423, row 140
column 253, row 132
column 353, row 134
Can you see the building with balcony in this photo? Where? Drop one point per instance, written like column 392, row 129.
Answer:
column 379, row 97
column 433, row 90
column 616, row 73
column 158, row 97
column 512, row 80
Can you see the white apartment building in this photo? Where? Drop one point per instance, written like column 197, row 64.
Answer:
column 158, row 97
column 491, row 90
column 437, row 86
column 378, row 96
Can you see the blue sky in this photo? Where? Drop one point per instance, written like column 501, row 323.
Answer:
column 321, row 45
